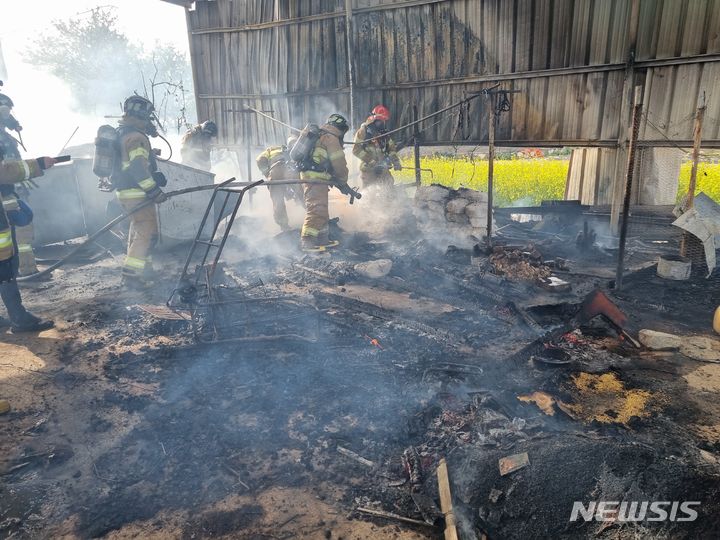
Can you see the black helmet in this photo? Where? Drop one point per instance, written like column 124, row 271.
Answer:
column 5, row 101
column 339, row 121
column 209, row 128
column 139, row 107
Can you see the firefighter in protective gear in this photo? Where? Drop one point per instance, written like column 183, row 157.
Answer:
column 138, row 181
column 20, row 320
column 275, row 165
column 377, row 151
column 326, row 163
column 197, row 144
column 24, row 232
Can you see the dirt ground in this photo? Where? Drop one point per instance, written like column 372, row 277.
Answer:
column 122, row 426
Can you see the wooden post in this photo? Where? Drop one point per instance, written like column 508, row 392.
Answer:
column 697, row 137
column 350, row 56
column 416, row 144
column 248, row 154
column 446, row 501
column 491, row 161
column 625, row 114
column 637, row 110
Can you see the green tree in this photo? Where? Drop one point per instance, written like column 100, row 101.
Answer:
column 102, row 67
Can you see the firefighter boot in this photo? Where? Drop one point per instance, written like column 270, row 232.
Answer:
column 21, row 320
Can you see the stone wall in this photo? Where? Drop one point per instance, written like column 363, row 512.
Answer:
column 448, row 216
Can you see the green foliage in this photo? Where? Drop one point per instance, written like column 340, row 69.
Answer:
column 102, row 67
column 527, row 181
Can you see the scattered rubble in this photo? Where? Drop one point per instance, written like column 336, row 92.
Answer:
column 702, row 348
column 659, row 341
column 510, row 464
column 447, row 216
column 374, row 269
column 519, row 264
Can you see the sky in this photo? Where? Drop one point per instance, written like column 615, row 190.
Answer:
column 42, row 102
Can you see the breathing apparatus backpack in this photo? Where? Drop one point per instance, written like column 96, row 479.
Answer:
column 301, row 153
column 106, row 157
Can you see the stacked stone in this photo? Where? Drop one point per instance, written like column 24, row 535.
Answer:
column 457, row 217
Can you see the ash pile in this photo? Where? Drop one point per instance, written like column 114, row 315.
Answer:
column 394, row 387
column 511, row 373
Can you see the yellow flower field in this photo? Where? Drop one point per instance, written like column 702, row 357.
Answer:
column 529, row 181
column 526, row 180
column 708, row 179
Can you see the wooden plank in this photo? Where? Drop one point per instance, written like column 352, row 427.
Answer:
column 573, row 183
column 489, row 51
column 669, row 28
column 505, row 36
column 446, row 504
column 590, row 177
column 541, row 36
column 593, row 98
column 712, row 31
column 573, row 106
column 710, row 84
column 580, row 33
column 562, row 17
column 682, row 110
column 694, row 30
column 600, row 32
column 523, row 35
column 519, row 109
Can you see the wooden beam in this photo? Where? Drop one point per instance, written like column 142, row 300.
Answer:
column 319, row 17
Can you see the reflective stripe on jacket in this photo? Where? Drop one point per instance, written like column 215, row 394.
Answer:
column 373, row 152
column 137, row 162
column 13, row 172
column 270, row 159
column 328, row 157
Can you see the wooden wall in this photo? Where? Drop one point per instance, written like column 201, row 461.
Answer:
column 574, row 62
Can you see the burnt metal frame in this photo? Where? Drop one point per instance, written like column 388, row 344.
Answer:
column 204, row 273
column 228, row 189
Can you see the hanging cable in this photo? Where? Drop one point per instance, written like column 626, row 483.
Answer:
column 169, row 146
column 387, row 133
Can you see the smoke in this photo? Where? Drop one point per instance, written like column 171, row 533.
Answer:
column 45, row 105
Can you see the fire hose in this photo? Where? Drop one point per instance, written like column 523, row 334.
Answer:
column 145, row 204
column 106, row 228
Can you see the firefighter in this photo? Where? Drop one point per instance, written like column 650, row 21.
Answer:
column 20, row 320
column 274, row 163
column 326, row 162
column 138, row 181
column 378, row 154
column 196, row 145
column 23, row 227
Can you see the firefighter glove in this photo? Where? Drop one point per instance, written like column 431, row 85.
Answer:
column 159, row 178
column 157, row 195
column 45, row 162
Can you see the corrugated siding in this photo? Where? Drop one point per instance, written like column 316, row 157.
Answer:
column 566, row 57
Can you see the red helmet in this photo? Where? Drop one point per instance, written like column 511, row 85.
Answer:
column 381, row 112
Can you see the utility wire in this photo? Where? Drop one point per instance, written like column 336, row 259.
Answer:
column 387, row 133
column 668, row 139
